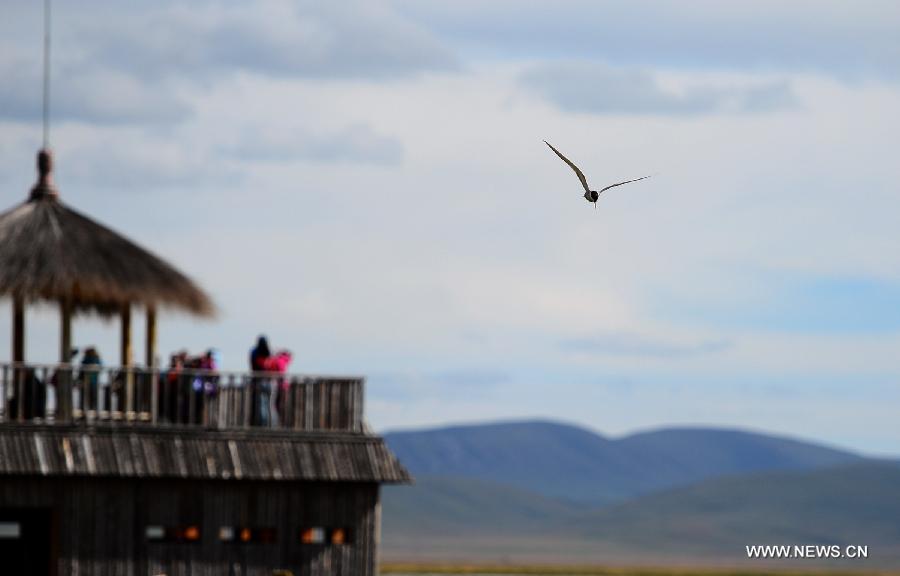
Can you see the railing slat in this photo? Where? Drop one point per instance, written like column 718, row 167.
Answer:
column 154, row 396
column 4, row 405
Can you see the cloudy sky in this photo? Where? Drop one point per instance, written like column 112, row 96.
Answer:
column 366, row 183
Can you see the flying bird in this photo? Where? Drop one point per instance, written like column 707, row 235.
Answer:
column 589, row 195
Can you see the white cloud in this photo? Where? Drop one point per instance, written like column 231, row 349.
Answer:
column 359, row 39
column 88, row 94
column 133, row 64
column 638, row 345
column 850, row 41
column 601, row 89
column 355, row 143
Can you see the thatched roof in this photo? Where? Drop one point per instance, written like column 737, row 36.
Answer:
column 49, row 251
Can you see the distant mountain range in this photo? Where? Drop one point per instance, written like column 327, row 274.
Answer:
column 547, row 492
column 580, row 466
column 851, row 504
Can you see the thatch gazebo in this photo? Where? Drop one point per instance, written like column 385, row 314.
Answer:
column 51, row 252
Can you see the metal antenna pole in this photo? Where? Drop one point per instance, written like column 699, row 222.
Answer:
column 46, row 74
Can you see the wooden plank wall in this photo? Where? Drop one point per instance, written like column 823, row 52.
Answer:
column 102, row 523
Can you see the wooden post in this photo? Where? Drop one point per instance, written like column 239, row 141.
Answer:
column 65, row 332
column 64, row 375
column 151, row 337
column 18, row 355
column 151, row 381
column 18, row 342
column 376, row 537
column 125, row 356
column 126, row 361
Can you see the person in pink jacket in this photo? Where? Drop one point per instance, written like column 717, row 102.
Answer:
column 268, row 392
column 279, row 364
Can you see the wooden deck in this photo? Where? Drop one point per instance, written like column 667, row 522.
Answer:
column 54, row 394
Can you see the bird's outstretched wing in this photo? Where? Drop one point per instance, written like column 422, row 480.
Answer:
column 625, row 182
column 572, row 166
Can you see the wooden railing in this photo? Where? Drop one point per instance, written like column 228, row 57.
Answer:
column 65, row 393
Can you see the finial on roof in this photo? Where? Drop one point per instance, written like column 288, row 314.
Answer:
column 44, row 187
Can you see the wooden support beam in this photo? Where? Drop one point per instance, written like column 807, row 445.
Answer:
column 125, row 357
column 65, row 332
column 151, row 386
column 151, row 337
column 127, row 361
column 18, row 340
column 64, row 376
column 18, row 355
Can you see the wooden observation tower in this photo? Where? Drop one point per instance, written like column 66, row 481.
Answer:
column 132, row 470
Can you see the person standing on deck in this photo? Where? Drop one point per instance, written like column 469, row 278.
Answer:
column 269, row 390
column 279, row 363
column 172, row 389
column 90, row 379
column 209, row 380
column 262, row 387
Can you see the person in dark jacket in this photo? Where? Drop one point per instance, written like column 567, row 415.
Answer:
column 262, row 386
column 260, row 354
column 90, row 379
